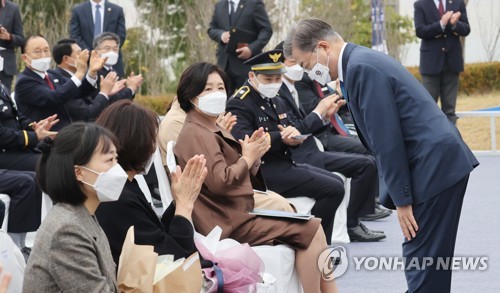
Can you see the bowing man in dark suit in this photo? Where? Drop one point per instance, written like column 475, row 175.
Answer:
column 440, row 24
column 107, row 44
column 11, row 36
column 229, row 18
column 84, row 108
column 91, row 18
column 422, row 161
column 39, row 94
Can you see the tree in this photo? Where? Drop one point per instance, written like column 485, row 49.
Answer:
column 488, row 30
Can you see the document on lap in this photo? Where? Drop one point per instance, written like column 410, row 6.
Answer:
column 302, row 136
column 280, row 214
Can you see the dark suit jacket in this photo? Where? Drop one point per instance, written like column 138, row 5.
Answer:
column 81, row 27
column 125, row 93
column 305, row 123
column 172, row 235
column 253, row 112
column 10, row 19
column 14, row 126
column 440, row 47
column 37, row 100
column 419, row 152
column 250, row 16
column 84, row 108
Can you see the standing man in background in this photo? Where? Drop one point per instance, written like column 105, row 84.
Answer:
column 440, row 24
column 245, row 21
column 11, row 36
column 91, row 18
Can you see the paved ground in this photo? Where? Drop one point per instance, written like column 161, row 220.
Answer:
column 478, row 235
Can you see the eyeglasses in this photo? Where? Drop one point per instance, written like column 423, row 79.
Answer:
column 108, row 48
column 308, row 64
column 39, row 52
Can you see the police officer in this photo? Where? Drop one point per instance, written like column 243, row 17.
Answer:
column 19, row 136
column 255, row 106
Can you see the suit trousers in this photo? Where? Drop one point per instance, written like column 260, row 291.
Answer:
column 445, row 86
column 362, row 170
column 437, row 219
column 325, row 187
column 345, row 144
column 19, row 160
column 25, row 200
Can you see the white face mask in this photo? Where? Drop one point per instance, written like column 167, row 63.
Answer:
column 41, row 64
column 112, row 58
column 295, row 72
column 72, row 64
column 320, row 72
column 213, row 104
column 268, row 90
column 109, row 184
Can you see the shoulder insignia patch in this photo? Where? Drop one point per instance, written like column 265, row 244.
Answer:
column 242, row 92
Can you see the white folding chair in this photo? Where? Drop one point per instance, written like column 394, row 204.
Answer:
column 6, row 200
column 163, row 182
column 304, row 205
column 143, row 185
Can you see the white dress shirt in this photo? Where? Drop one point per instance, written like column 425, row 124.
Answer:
column 236, row 2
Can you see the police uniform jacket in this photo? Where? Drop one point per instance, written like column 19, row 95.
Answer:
column 15, row 130
column 253, row 112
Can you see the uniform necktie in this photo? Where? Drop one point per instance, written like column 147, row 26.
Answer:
column 47, row 79
column 441, row 8
column 231, row 11
column 335, row 120
column 97, row 21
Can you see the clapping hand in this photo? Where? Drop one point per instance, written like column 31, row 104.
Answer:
column 227, row 121
column 455, row 17
column 252, row 149
column 186, row 185
column 108, row 83
column 42, row 127
column 81, row 64
column 446, row 18
column 96, row 63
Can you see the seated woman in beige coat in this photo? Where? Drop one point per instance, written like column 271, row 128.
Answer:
column 171, row 126
column 71, row 252
column 226, row 197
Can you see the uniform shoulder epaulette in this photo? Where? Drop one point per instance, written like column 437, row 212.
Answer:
column 242, row 92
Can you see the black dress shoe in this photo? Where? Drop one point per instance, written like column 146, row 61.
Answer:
column 361, row 233
column 378, row 214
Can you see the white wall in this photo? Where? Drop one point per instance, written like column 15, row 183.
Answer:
column 484, row 19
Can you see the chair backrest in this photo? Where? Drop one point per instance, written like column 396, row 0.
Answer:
column 163, row 182
column 143, row 185
column 6, row 200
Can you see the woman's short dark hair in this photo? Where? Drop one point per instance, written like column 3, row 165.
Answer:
column 136, row 128
column 73, row 145
column 194, row 79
